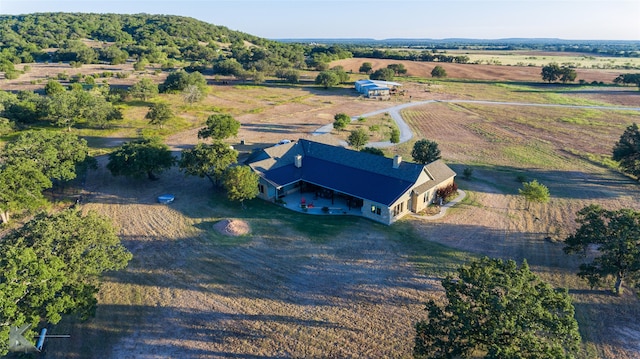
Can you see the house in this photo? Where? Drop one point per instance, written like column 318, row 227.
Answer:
column 380, row 188
column 375, row 88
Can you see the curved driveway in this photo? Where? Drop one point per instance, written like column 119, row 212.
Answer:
column 405, row 131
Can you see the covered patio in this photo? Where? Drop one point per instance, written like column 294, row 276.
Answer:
column 313, row 199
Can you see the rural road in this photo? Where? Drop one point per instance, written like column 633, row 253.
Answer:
column 405, row 131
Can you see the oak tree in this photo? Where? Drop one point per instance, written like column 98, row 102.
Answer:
column 497, row 309
column 616, row 236
column 53, row 265
column 438, row 72
column 144, row 89
column 220, row 126
column 145, row 156
column 358, row 138
column 58, row 155
column 209, row 161
column 159, row 114
column 627, row 151
column 327, row 79
column 21, row 186
column 550, row 72
column 425, row 151
column 385, row 74
column 366, row 67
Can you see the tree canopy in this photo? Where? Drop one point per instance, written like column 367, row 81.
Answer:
column 209, row 161
column 425, row 151
column 366, row 68
column 398, row 69
column 617, row 237
column 144, row 89
column 146, row 156
column 66, row 108
column 241, row 183
column 553, row 72
column 385, row 74
column 627, row 151
column 179, row 80
column 53, row 87
column 52, row 266
column 327, row 79
column 497, row 309
column 628, row 79
column 56, row 154
column 438, row 72
column 341, row 120
column 358, row 138
column 21, row 186
column 159, row 113
column 534, row 191
column 220, row 126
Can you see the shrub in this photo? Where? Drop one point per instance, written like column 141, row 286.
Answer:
column 395, row 135
column 11, row 75
column 341, row 121
column 6, row 126
column 446, row 192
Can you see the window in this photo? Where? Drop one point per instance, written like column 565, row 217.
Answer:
column 375, row 209
column 260, row 188
column 399, row 208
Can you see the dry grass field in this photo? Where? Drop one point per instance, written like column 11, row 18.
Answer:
column 300, row 286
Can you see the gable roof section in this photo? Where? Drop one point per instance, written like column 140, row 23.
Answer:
column 351, row 172
column 438, row 172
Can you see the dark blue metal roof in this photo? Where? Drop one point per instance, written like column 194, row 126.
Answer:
column 342, row 178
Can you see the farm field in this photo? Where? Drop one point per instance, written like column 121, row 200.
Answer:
column 473, row 72
column 542, row 58
column 319, row 287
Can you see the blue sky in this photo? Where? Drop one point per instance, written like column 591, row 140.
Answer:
column 436, row 19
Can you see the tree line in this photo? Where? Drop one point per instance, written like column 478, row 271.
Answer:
column 52, row 263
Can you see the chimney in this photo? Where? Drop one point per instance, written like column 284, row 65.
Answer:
column 397, row 160
column 298, row 161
